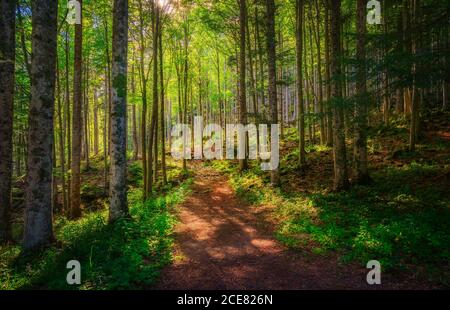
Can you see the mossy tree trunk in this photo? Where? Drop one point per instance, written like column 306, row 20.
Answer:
column 118, row 171
column 38, row 192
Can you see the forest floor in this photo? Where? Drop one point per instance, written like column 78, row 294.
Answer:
column 219, row 228
column 223, row 242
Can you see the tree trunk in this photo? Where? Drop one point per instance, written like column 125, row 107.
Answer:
column 95, row 109
column 38, row 192
column 163, row 128
column 75, row 208
column 386, row 91
column 61, row 139
column 185, row 80
column 319, row 76
column 67, row 116
column 361, row 174
column 86, row 115
column 144, row 99
column 118, row 183
column 299, row 54
column 105, row 134
column 7, row 61
column 134, row 118
column 243, row 165
column 260, row 60
column 415, row 100
column 271, row 59
column 153, row 121
column 339, row 148
column 328, row 75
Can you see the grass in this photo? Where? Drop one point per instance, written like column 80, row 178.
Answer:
column 401, row 220
column 125, row 255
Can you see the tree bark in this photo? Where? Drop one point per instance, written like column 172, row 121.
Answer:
column 144, row 98
column 319, row 76
column 134, row 118
column 61, row 139
column 67, row 116
column 329, row 116
column 7, row 68
column 243, row 164
column 299, row 54
column 162, row 114
column 415, row 100
column 271, row 59
column 118, row 183
column 361, row 175
column 38, row 192
column 86, row 115
column 339, row 148
column 75, row 200
column 154, row 116
column 95, row 109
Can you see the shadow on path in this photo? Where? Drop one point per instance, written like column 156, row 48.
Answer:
column 221, row 244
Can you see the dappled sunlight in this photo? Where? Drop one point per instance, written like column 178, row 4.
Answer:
column 224, row 245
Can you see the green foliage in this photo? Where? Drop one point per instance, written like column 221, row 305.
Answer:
column 401, row 220
column 123, row 255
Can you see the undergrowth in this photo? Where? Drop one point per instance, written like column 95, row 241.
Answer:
column 401, row 220
column 124, row 255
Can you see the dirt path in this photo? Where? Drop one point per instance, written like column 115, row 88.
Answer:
column 222, row 244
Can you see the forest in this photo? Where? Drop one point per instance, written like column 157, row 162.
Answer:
column 353, row 99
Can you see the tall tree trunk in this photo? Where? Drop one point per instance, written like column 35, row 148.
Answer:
column 386, row 91
column 153, row 120
column 446, row 79
column 38, row 192
column 61, row 139
column 86, row 114
column 75, row 208
column 339, row 148
column 415, row 101
column 118, row 183
column 185, row 80
column 299, row 53
column 319, row 76
column 162, row 115
column 108, row 80
column 260, row 58
column 7, row 61
column 329, row 113
column 105, row 134
column 252, row 78
column 243, row 165
column 134, row 118
column 271, row 59
column 361, row 174
column 95, row 109
column 67, row 116
column 144, row 99
column 219, row 89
